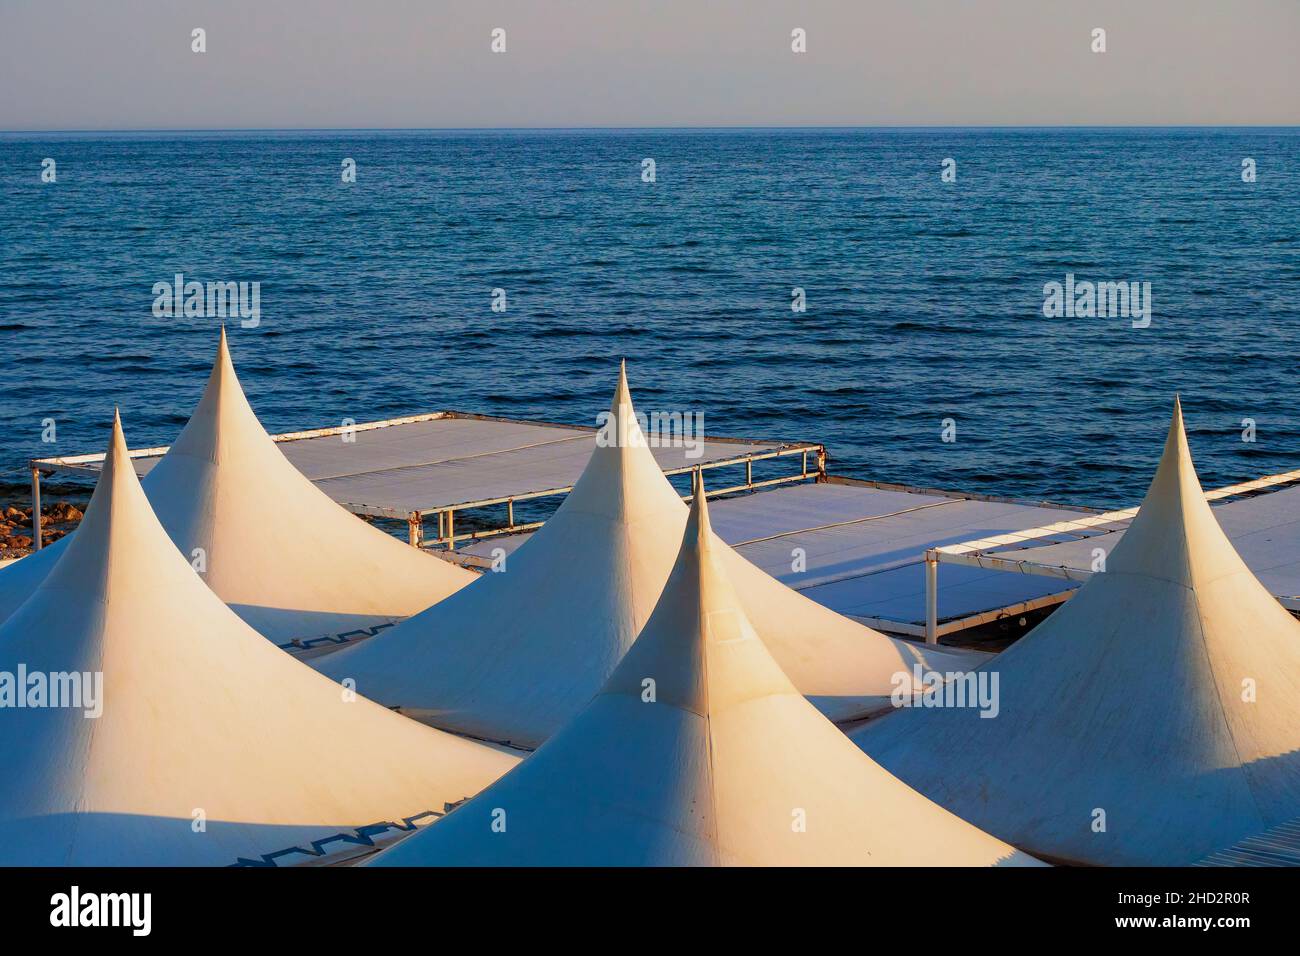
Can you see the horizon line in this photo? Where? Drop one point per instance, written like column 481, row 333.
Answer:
column 657, row 128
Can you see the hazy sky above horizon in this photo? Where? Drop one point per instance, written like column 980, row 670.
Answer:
column 127, row 64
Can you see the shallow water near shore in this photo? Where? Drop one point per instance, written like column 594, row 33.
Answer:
column 924, row 299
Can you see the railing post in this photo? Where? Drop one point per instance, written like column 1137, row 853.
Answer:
column 931, row 598
column 510, row 513
column 451, row 530
column 749, row 473
column 36, row 509
column 414, row 529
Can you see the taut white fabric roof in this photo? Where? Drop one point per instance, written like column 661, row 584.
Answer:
column 1165, row 694
column 699, row 751
column 285, row 557
column 517, row 654
column 200, row 715
column 20, row 579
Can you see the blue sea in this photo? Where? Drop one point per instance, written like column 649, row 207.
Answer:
column 924, row 298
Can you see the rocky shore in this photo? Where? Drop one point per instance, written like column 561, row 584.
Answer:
column 57, row 519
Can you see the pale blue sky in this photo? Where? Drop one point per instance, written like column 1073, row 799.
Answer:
column 126, row 64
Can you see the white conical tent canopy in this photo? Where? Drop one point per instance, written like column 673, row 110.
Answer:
column 200, row 718
column 517, row 654
column 699, row 751
column 280, row 552
column 20, row 579
column 1164, row 695
column 277, row 549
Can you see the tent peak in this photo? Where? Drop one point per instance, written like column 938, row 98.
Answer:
column 699, row 645
column 622, row 395
column 1175, row 535
column 698, row 526
column 224, row 364
column 1177, row 453
column 222, row 415
column 114, row 535
column 623, row 428
column 117, row 449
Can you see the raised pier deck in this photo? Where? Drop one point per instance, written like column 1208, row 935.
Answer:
column 869, row 550
column 433, row 465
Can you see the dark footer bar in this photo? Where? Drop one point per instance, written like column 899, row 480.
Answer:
column 369, row 905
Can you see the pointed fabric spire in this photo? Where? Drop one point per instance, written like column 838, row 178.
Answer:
column 171, row 711
column 277, row 549
column 1162, row 700
column 699, row 751
column 516, row 655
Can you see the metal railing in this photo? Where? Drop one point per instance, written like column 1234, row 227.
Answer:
column 977, row 554
column 448, row 538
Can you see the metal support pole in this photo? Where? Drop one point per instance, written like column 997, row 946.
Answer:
column 414, row 529
column 510, row 513
column 931, row 598
column 36, row 509
column 821, row 463
column 442, row 524
column 451, row 531
column 749, row 473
